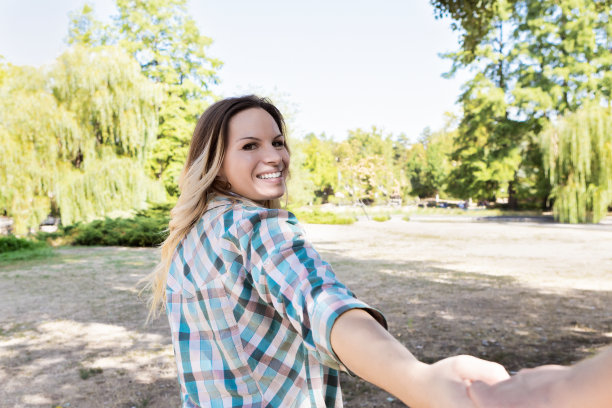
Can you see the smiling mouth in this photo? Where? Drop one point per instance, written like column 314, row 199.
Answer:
column 265, row 176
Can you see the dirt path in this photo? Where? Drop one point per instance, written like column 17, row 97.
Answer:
column 72, row 334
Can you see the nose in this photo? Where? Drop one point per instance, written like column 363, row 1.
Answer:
column 272, row 155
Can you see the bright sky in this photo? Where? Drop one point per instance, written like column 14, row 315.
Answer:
column 338, row 65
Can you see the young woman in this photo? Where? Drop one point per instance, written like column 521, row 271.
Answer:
column 258, row 319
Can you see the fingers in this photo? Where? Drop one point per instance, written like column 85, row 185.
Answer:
column 454, row 376
column 481, row 395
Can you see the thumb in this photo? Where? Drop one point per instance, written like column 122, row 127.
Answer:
column 475, row 369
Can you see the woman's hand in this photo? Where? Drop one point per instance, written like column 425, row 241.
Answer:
column 533, row 388
column 445, row 383
column 586, row 384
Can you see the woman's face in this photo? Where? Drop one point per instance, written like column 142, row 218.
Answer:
column 256, row 160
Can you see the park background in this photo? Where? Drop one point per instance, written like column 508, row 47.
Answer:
column 95, row 130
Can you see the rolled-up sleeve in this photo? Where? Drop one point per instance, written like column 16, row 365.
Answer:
column 290, row 275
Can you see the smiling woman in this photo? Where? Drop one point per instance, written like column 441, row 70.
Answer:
column 257, row 317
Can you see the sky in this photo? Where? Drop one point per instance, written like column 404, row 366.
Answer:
column 333, row 66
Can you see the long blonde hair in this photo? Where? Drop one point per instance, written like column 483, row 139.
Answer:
column 198, row 182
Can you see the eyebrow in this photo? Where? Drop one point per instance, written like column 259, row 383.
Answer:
column 256, row 138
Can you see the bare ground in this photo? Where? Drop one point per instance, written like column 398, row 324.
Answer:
column 72, row 332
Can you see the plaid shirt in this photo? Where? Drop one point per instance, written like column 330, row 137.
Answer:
column 251, row 306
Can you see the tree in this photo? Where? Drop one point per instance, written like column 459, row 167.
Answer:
column 367, row 167
column 535, row 60
column 428, row 163
column 77, row 138
column 578, row 152
column 300, row 188
column 321, row 165
column 486, row 153
column 166, row 42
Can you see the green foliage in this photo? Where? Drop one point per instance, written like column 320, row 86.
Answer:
column 428, row 162
column 85, row 30
column 76, row 137
column 321, row 165
column 146, row 229
column 167, row 44
column 578, row 153
column 299, row 186
column 534, row 60
column 322, row 217
column 368, row 167
column 11, row 243
column 486, row 152
column 18, row 249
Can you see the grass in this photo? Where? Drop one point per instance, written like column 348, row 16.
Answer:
column 381, row 218
column 380, row 212
column 321, row 217
column 473, row 212
column 27, row 254
column 85, row 373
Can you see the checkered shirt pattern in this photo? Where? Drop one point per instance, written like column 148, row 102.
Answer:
column 251, row 305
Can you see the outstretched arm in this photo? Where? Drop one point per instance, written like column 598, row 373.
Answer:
column 368, row 350
column 586, row 384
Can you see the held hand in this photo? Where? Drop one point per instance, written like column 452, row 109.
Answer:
column 447, row 380
column 530, row 388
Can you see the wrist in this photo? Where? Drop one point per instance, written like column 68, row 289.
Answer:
column 416, row 382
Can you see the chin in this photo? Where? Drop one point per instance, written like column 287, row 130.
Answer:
column 271, row 196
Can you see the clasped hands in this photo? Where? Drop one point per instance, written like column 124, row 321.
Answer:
column 469, row 382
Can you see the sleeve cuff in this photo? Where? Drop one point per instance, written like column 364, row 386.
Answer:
column 328, row 310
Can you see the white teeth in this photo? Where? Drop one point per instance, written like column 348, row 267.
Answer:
column 270, row 175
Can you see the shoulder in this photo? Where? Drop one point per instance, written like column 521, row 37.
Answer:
column 259, row 223
column 244, row 222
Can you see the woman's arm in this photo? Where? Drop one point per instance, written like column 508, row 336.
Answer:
column 586, row 384
column 368, row 350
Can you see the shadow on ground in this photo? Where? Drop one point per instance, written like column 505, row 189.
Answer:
column 72, row 330
column 438, row 312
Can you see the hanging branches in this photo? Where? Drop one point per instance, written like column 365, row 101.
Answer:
column 76, row 136
column 578, row 160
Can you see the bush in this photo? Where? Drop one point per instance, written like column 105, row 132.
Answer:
column 17, row 249
column 139, row 231
column 146, row 228
column 12, row 243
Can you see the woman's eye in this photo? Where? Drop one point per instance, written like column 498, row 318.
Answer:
column 249, row 146
column 279, row 143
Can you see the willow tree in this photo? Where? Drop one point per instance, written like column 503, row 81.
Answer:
column 77, row 137
column 578, row 160
column 171, row 51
